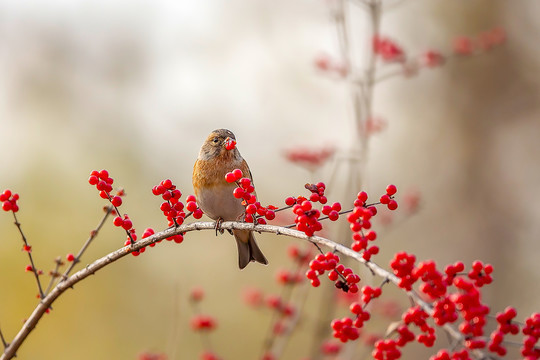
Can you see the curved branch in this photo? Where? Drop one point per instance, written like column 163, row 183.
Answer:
column 61, row 287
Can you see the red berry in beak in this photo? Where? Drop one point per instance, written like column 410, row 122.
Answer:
column 230, row 143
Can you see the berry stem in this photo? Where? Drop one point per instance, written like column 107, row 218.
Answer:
column 34, row 270
column 92, row 236
column 117, row 212
column 205, row 337
column 54, row 274
column 3, row 339
column 283, row 208
column 270, row 344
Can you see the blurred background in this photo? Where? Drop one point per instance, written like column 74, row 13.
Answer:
column 135, row 87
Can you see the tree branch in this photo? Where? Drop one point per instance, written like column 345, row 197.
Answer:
column 60, row 288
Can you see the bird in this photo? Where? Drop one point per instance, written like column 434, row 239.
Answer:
column 217, row 157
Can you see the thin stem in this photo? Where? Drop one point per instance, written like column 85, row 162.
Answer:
column 285, row 296
column 118, row 213
column 278, row 347
column 283, row 208
column 92, row 236
column 34, row 270
column 3, row 339
column 205, row 337
column 54, row 274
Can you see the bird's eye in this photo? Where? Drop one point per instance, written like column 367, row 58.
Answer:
column 215, row 140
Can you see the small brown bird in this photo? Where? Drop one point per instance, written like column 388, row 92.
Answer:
column 217, row 157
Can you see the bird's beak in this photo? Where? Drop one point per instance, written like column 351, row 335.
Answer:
column 229, row 143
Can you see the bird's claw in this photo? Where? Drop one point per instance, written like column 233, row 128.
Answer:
column 218, row 226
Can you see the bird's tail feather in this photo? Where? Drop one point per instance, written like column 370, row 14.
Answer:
column 248, row 250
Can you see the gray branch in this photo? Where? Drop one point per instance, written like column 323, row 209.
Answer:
column 61, row 287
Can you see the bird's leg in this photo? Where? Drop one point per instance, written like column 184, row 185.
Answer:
column 218, row 226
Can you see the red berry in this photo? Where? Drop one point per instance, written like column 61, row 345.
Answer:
column 118, row 221
column 306, row 205
column 230, row 178
column 70, row 257
column 197, row 214
column 392, row 205
column 6, row 195
column 167, row 184
column 238, row 193
column 385, row 199
column 237, row 174
column 103, row 174
column 28, row 268
column 391, row 190
column 270, row 215
column 362, row 196
column 93, row 180
column 127, row 224
column 290, row 201
column 191, row 206
column 116, row 201
column 158, row 190
column 6, row 206
column 333, row 215
column 191, row 198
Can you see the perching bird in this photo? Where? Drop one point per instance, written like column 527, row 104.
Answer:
column 217, row 157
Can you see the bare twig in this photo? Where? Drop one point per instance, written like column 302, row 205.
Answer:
column 3, row 339
column 29, row 252
column 92, row 236
column 54, row 274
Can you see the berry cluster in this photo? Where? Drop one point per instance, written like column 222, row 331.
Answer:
column 299, row 256
column 330, row 348
column 451, row 271
column 307, row 218
column 172, row 207
column 311, row 158
column 369, row 293
column 465, row 45
column 203, row 323
column 388, row 198
column 279, row 305
column 151, row 356
column 433, row 281
column 360, row 221
column 209, row 355
column 388, row 49
column 287, row 277
column 103, row 183
column 345, row 328
column 9, row 201
column 416, row 315
column 432, row 58
column 480, row 273
column 532, row 331
column 444, row 311
column 344, row 278
column 255, row 212
column 403, row 266
column 386, row 350
column 468, row 302
column 456, row 355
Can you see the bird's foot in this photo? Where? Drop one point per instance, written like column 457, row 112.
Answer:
column 218, row 226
